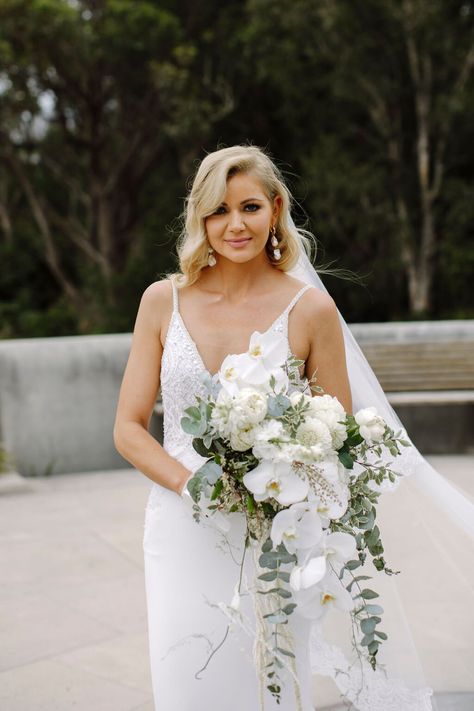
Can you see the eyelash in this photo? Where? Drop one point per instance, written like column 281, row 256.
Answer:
column 249, row 204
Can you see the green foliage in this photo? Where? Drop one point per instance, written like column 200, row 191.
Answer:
column 5, row 460
column 105, row 109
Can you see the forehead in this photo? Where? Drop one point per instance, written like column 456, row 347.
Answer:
column 243, row 185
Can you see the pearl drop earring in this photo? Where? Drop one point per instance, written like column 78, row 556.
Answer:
column 211, row 260
column 274, row 241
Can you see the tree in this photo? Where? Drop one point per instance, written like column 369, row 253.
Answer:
column 94, row 110
column 385, row 85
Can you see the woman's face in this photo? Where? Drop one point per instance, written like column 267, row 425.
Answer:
column 238, row 230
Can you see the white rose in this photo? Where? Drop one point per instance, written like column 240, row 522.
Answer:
column 371, row 425
column 290, row 453
column 243, row 439
column 338, row 431
column 320, row 403
column 252, row 404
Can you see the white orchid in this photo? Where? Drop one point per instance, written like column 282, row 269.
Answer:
column 313, row 602
column 306, row 576
column 269, row 348
column 327, row 509
column 298, row 527
column 336, row 548
column 371, row 425
column 276, row 480
column 240, row 370
column 339, row 547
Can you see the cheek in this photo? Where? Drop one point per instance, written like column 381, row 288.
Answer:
column 260, row 222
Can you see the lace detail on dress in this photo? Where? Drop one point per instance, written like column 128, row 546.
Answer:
column 366, row 689
column 183, row 371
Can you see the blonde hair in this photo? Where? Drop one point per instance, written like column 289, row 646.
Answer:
column 207, row 193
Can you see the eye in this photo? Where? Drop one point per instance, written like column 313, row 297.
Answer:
column 253, row 205
column 220, row 210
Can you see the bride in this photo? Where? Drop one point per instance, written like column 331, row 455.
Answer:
column 244, row 268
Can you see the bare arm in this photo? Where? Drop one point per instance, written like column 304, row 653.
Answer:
column 139, row 391
column 327, row 357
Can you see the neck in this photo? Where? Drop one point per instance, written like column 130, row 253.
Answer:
column 235, row 280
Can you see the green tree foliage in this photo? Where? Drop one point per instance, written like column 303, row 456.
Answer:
column 106, row 106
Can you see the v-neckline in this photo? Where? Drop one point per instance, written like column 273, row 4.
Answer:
column 196, row 349
column 193, row 343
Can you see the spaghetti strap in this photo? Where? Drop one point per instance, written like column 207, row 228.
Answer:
column 296, row 298
column 175, row 296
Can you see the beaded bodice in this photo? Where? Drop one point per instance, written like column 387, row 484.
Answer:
column 182, row 373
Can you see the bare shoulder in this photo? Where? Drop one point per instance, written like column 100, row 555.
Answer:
column 156, row 303
column 320, row 308
column 158, row 297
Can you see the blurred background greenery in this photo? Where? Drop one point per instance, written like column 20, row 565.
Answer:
column 107, row 107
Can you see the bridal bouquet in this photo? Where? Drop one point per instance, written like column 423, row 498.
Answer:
column 307, row 476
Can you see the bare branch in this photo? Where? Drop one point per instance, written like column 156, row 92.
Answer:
column 51, row 254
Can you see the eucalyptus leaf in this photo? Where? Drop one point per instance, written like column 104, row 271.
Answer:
column 194, row 487
column 267, row 561
column 373, row 647
column 369, row 624
column 352, row 564
column 193, row 412
column 193, row 427
column 285, row 651
column 276, row 619
column 211, row 471
column 367, row 594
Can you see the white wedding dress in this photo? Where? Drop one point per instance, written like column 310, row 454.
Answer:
column 189, row 566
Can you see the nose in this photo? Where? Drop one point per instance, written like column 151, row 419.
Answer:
column 236, row 223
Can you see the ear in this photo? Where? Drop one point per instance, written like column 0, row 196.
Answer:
column 277, row 203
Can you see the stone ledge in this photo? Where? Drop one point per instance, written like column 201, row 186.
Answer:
column 12, row 483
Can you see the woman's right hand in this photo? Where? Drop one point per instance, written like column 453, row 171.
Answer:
column 183, row 488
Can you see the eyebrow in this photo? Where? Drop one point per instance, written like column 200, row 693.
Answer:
column 251, row 199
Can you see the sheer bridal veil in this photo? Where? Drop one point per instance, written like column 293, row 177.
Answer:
column 427, row 528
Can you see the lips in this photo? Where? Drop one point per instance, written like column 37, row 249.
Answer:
column 237, row 242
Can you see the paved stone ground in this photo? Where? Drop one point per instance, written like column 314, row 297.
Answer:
column 72, row 599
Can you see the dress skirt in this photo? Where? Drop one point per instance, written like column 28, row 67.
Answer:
column 190, row 567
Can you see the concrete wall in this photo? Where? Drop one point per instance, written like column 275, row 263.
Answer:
column 414, row 331
column 57, row 402
column 58, row 397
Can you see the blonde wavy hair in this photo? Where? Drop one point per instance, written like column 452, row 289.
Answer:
column 207, row 193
